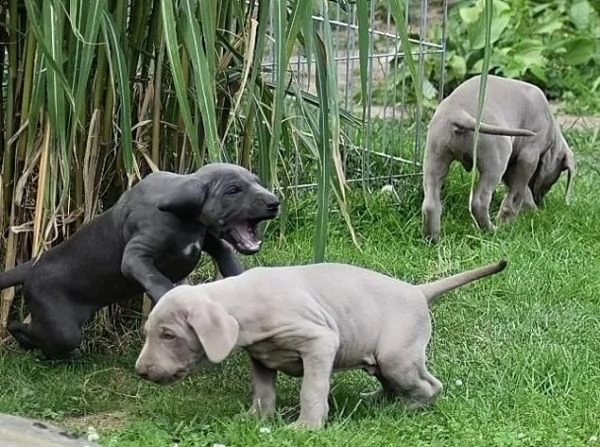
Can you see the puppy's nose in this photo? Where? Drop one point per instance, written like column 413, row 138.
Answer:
column 273, row 205
column 142, row 370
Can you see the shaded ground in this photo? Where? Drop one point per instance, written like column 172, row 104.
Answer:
column 20, row 432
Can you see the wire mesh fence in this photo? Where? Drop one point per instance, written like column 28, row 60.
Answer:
column 390, row 143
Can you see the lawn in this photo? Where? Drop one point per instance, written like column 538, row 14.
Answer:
column 518, row 353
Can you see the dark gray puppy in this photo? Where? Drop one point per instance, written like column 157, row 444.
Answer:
column 149, row 240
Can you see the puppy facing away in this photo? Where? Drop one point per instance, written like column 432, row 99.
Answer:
column 305, row 321
column 520, row 144
column 151, row 239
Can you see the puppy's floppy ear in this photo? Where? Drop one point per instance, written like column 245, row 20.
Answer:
column 215, row 328
column 186, row 198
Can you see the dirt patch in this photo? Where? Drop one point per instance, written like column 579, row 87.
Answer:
column 567, row 121
column 100, row 421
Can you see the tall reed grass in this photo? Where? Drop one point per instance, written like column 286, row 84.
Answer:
column 98, row 93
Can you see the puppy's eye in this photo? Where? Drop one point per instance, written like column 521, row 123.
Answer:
column 167, row 335
column 232, row 189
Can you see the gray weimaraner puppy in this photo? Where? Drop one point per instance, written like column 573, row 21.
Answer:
column 151, row 239
column 305, row 321
column 520, row 144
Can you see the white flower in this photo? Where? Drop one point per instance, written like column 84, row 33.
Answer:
column 219, row 445
column 458, row 382
column 265, row 430
column 92, row 434
column 593, row 438
column 387, row 189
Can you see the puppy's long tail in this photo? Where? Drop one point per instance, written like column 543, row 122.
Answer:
column 465, row 120
column 15, row 276
column 433, row 290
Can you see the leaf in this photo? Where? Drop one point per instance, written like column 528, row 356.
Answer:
column 580, row 14
column 401, row 28
column 203, row 78
column 334, row 123
column 579, row 51
column 499, row 25
column 35, row 26
column 429, row 90
column 458, row 66
column 254, row 91
column 279, row 16
column 553, row 24
column 120, row 75
column 470, row 14
column 529, row 52
column 487, row 27
column 366, row 87
column 364, row 42
column 539, row 73
column 172, row 46
column 325, row 161
column 298, row 17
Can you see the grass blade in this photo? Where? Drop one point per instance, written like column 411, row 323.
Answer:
column 33, row 15
column 400, row 21
column 53, row 23
column 86, row 53
column 119, row 73
column 208, row 20
column 488, row 16
column 364, row 44
column 172, row 47
column 325, row 159
column 203, row 78
column 279, row 15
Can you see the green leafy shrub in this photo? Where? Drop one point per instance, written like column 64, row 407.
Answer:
column 554, row 44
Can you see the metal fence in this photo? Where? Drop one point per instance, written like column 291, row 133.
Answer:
column 395, row 128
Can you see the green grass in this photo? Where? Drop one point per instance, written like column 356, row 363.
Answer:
column 518, row 353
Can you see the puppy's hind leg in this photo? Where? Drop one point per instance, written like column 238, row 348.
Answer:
column 517, row 178
column 263, row 389
column 54, row 343
column 435, row 170
column 20, row 332
column 491, row 170
column 56, row 328
column 528, row 201
column 404, row 375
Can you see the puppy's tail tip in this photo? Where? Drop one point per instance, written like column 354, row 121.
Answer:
column 433, row 290
column 464, row 120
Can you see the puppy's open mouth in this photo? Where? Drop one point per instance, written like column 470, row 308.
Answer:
column 244, row 236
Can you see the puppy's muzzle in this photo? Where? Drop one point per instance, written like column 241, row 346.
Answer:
column 272, row 205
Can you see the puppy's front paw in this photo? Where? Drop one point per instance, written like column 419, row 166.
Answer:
column 256, row 411
column 504, row 216
column 308, row 425
column 431, row 238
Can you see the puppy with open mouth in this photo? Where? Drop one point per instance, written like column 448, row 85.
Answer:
column 151, row 239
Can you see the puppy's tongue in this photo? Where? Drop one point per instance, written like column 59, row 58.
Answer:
column 247, row 239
